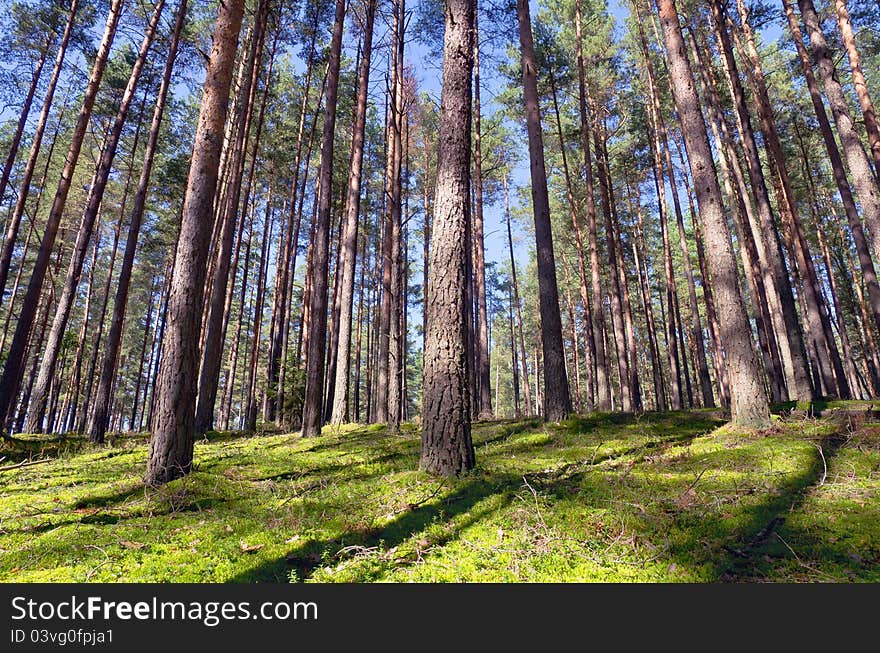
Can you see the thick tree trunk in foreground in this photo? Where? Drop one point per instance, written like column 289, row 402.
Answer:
column 447, row 449
column 15, row 359
column 313, row 404
column 557, row 401
column 171, row 447
column 749, row 405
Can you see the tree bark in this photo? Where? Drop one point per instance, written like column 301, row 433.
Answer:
column 481, row 342
column 603, row 382
column 348, row 252
column 219, row 299
column 447, row 449
column 749, row 406
column 789, row 332
column 171, row 446
column 314, row 401
column 557, row 400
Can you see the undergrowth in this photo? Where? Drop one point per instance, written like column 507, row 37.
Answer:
column 605, row 497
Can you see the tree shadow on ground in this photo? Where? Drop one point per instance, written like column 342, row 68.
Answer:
column 735, row 553
column 305, row 558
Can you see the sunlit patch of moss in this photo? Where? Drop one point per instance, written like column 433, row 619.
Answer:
column 605, row 497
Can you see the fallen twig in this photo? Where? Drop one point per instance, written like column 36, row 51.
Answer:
column 696, row 480
column 427, row 498
column 801, row 562
column 824, row 465
column 26, row 463
column 98, row 566
column 537, row 505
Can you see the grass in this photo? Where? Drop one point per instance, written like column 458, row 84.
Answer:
column 661, row 497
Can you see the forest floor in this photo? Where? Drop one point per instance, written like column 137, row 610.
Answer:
column 662, row 497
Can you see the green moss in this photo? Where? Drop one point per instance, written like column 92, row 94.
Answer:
column 671, row 497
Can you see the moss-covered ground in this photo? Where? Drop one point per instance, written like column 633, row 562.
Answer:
column 663, row 497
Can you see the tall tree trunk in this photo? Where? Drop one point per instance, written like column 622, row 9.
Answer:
column 220, row 301
column 139, row 380
column 387, row 323
column 171, row 447
column 789, row 333
column 557, row 401
column 527, row 392
column 758, row 276
column 250, row 412
column 395, row 298
column 356, row 416
column 158, row 337
column 641, row 262
column 817, row 311
column 284, row 278
column 869, row 345
column 657, row 134
column 313, row 402
column 481, row 342
column 606, row 195
column 75, row 376
column 749, row 405
column 31, row 226
column 626, row 305
column 832, row 287
column 574, row 209
column 108, row 282
column 514, row 359
column 15, row 359
column 711, row 317
column 100, row 416
column 603, row 381
column 447, row 448
column 696, row 336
